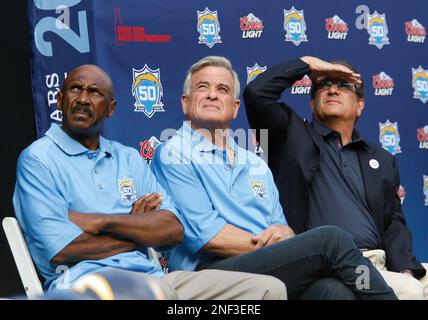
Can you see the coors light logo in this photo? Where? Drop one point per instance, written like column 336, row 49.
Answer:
column 415, row 31
column 336, row 27
column 383, row 84
column 251, row 26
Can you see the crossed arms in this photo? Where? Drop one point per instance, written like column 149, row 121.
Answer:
column 105, row 235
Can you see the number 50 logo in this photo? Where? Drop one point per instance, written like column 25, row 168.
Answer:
column 295, row 26
column 389, row 136
column 377, row 29
column 147, row 91
column 208, row 27
column 420, row 84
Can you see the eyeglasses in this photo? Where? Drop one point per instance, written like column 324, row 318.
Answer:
column 342, row 85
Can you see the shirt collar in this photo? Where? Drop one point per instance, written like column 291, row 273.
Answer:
column 70, row 145
column 321, row 129
column 325, row 131
column 199, row 142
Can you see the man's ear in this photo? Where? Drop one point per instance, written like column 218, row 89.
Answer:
column 112, row 107
column 236, row 108
column 311, row 102
column 59, row 100
column 360, row 109
column 184, row 101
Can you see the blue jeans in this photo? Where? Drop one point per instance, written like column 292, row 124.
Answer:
column 318, row 264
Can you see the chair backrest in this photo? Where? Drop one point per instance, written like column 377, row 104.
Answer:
column 153, row 255
column 22, row 257
column 23, row 260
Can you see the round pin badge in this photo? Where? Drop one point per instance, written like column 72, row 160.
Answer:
column 374, row 163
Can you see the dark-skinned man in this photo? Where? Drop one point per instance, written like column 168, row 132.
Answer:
column 90, row 204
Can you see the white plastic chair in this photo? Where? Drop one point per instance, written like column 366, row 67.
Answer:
column 153, row 255
column 24, row 263
column 22, row 257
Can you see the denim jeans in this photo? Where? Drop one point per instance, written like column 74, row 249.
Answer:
column 310, row 262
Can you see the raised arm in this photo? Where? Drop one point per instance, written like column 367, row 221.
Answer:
column 261, row 96
column 318, row 68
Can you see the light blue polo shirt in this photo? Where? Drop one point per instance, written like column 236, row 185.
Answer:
column 56, row 174
column 210, row 192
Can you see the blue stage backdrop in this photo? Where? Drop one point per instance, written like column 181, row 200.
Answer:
column 147, row 47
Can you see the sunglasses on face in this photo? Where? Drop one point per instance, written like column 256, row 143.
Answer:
column 342, row 85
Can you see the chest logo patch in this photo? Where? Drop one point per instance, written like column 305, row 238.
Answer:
column 127, row 190
column 259, row 190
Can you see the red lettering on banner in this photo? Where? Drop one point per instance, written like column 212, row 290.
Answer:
column 422, row 135
column 124, row 34
column 135, row 33
column 305, row 82
column 138, row 33
column 250, row 25
column 411, row 30
column 146, row 150
column 380, row 83
column 337, row 27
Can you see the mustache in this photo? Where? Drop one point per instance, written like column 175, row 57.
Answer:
column 80, row 108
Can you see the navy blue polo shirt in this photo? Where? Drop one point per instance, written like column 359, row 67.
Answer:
column 337, row 193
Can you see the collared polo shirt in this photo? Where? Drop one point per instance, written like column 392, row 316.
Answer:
column 56, row 174
column 339, row 176
column 211, row 192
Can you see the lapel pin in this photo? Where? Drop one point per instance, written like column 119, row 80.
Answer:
column 374, row 163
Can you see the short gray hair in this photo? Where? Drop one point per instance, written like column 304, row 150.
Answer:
column 212, row 61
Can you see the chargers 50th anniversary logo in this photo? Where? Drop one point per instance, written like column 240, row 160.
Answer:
column 295, row 26
column 426, row 189
column 208, row 27
column 147, row 91
column 420, row 84
column 127, row 190
column 259, row 190
column 254, row 71
column 389, row 137
column 377, row 29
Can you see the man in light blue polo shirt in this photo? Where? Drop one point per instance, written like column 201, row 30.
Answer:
column 230, row 207
column 88, row 204
column 203, row 180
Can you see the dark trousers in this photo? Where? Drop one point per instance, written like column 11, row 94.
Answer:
column 323, row 263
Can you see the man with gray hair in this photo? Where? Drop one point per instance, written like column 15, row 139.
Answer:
column 230, row 207
column 92, row 205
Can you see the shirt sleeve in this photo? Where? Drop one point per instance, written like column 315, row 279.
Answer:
column 42, row 207
column 151, row 185
column 278, row 216
column 201, row 222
